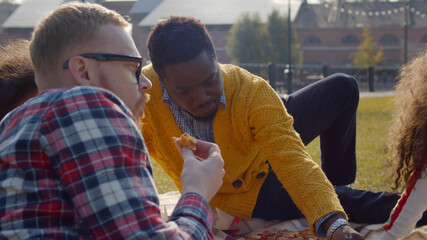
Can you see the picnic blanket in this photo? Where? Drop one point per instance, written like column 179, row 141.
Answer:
column 227, row 227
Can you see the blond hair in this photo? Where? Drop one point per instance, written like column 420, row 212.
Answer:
column 408, row 134
column 66, row 29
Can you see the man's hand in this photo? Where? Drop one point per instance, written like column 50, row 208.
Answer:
column 202, row 176
column 343, row 232
column 346, row 232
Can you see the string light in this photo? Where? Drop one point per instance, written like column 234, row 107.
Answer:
column 388, row 12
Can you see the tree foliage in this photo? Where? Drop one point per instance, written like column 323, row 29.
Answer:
column 277, row 29
column 247, row 39
column 252, row 41
column 367, row 55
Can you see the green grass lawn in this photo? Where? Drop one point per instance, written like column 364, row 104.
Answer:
column 373, row 120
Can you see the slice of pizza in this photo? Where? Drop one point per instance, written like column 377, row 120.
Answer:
column 186, row 140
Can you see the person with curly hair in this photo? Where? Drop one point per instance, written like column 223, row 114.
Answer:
column 16, row 76
column 408, row 145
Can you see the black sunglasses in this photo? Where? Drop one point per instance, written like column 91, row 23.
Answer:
column 112, row 57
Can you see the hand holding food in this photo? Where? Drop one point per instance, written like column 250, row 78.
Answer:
column 202, row 177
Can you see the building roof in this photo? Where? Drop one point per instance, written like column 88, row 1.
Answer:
column 378, row 14
column 215, row 12
column 144, row 6
column 122, row 7
column 29, row 13
column 6, row 9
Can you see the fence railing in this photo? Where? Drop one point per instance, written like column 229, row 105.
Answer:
column 369, row 79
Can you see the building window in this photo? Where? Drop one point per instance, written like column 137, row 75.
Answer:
column 389, row 39
column 350, row 39
column 312, row 40
column 424, row 39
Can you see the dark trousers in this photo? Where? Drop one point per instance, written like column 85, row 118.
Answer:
column 327, row 109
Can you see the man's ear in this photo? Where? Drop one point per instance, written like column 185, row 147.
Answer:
column 79, row 68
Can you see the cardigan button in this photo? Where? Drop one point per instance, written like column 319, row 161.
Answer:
column 260, row 175
column 238, row 183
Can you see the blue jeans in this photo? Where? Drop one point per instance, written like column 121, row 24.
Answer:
column 328, row 109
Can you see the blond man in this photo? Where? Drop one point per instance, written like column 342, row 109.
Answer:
column 73, row 162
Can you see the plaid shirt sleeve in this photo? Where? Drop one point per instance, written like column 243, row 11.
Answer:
column 99, row 156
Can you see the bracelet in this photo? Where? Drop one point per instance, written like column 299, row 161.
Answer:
column 338, row 223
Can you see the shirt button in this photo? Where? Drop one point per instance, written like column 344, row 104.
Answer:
column 238, row 183
column 260, row 175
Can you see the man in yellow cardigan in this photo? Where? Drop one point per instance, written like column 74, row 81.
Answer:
column 246, row 118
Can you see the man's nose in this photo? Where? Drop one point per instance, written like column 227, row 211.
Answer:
column 200, row 96
column 144, row 83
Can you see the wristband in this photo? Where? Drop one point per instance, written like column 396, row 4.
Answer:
column 338, row 223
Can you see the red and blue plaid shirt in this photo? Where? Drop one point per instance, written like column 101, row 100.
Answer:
column 73, row 164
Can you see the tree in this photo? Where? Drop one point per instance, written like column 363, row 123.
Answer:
column 367, row 56
column 277, row 29
column 246, row 42
column 251, row 41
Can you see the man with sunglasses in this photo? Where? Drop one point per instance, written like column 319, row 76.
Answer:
column 73, row 163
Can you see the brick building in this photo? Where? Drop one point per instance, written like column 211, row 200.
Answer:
column 330, row 31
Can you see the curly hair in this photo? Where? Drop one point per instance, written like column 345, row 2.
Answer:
column 408, row 134
column 17, row 81
column 176, row 40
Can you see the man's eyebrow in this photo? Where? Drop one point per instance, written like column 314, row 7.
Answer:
column 204, row 80
column 181, row 87
column 210, row 76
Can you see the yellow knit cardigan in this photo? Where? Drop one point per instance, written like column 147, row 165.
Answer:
column 253, row 127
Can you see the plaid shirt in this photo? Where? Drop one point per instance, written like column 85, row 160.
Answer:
column 73, row 165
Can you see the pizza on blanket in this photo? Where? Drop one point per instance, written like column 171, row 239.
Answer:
column 281, row 235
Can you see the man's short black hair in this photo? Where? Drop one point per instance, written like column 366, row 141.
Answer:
column 176, row 40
